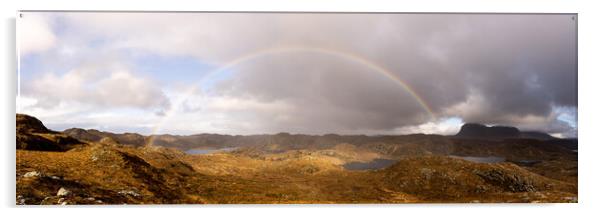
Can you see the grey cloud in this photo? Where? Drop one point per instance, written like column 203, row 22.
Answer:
column 520, row 66
column 483, row 68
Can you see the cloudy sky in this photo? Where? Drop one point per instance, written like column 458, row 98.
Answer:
column 251, row 73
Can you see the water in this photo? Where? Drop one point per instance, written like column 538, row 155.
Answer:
column 372, row 165
column 490, row 159
column 209, row 151
column 527, row 162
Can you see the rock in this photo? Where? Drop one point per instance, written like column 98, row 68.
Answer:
column 20, row 200
column 60, row 200
column 129, row 192
column 63, row 192
column 32, row 174
column 55, row 177
column 64, row 203
column 46, row 200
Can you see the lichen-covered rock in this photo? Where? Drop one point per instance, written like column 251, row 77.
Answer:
column 32, row 174
column 63, row 192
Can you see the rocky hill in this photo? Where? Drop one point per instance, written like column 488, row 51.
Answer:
column 33, row 135
column 437, row 178
column 108, row 168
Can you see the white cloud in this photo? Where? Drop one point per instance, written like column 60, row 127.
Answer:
column 444, row 126
column 201, row 112
column 115, row 88
column 35, row 34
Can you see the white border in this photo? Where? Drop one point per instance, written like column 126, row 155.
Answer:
column 589, row 102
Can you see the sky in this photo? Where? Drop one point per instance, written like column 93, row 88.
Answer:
column 255, row 73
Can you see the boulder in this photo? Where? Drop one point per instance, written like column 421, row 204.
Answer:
column 63, row 192
column 32, row 174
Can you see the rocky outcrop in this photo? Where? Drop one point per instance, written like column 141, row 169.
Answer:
column 31, row 134
column 30, row 124
column 510, row 181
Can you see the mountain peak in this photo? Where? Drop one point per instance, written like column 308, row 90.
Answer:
column 474, row 130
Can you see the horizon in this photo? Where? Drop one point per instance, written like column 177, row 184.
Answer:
column 362, row 74
column 305, row 134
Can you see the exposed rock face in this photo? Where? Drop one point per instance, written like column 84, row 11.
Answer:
column 481, row 131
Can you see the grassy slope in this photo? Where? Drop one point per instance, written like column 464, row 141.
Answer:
column 158, row 175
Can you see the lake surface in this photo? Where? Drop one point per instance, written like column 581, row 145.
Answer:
column 526, row 162
column 490, row 159
column 372, row 165
column 209, row 151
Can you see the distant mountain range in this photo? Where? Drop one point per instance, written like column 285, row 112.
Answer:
column 33, row 135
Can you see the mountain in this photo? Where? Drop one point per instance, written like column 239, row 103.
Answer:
column 536, row 135
column 394, row 145
column 473, row 130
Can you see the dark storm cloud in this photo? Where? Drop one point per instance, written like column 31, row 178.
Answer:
column 519, row 66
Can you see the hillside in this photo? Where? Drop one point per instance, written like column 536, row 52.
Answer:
column 108, row 168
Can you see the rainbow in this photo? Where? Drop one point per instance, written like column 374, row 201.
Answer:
column 292, row 49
